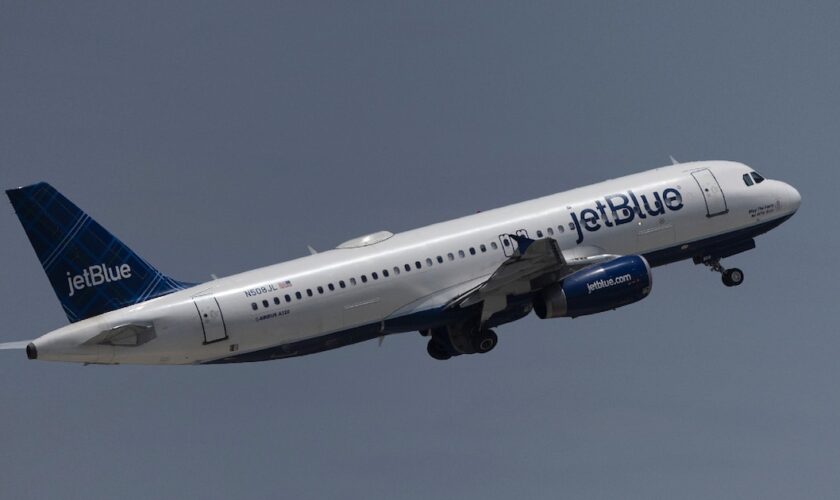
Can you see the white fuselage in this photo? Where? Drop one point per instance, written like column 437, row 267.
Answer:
column 368, row 286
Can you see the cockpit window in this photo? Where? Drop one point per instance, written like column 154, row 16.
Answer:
column 757, row 178
column 748, row 180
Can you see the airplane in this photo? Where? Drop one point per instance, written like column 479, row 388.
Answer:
column 575, row 253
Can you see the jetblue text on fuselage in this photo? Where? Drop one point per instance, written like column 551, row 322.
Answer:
column 618, row 209
column 96, row 275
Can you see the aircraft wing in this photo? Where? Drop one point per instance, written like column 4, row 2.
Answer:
column 535, row 265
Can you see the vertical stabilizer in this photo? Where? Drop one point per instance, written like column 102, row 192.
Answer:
column 91, row 271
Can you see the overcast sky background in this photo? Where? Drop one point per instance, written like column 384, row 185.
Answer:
column 218, row 137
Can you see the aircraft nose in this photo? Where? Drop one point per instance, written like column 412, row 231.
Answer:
column 790, row 197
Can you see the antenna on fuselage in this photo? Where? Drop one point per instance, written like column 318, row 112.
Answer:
column 312, row 251
column 673, row 160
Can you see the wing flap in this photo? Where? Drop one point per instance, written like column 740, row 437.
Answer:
column 540, row 258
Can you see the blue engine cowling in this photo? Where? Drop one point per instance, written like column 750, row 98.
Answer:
column 597, row 288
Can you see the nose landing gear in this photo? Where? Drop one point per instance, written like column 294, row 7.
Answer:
column 733, row 277
column 730, row 277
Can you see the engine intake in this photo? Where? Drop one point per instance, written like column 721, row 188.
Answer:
column 597, row 288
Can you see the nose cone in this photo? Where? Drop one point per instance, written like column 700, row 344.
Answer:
column 790, row 197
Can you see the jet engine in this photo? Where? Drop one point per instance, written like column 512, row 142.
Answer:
column 596, row 288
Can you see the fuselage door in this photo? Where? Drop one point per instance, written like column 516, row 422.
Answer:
column 212, row 321
column 715, row 200
column 508, row 244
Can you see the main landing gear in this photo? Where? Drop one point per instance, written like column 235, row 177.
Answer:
column 730, row 277
column 437, row 351
column 442, row 347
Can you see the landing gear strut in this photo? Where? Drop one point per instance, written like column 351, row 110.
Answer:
column 730, row 277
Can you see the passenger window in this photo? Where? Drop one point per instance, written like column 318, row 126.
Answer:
column 461, row 254
column 353, row 281
column 450, row 256
column 757, row 178
column 506, row 242
column 265, row 303
column 483, row 247
column 330, row 286
column 407, row 268
column 440, row 259
column 298, row 295
column 550, row 231
column 341, row 284
column 254, row 306
column 384, row 273
column 288, row 298
column 561, row 229
column 493, row 245
column 276, row 301
column 396, row 270
column 472, row 251
column 309, row 292
column 374, row 275
column 417, row 264
column 539, row 234
column 429, row 262
column 364, row 279
column 320, row 289
column 571, row 226
column 748, row 180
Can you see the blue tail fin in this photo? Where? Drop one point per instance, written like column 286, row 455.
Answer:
column 91, row 271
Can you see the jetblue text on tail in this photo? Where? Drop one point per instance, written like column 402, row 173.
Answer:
column 96, row 275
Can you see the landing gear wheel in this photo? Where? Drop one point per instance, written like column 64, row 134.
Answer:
column 437, row 351
column 730, row 277
column 733, row 277
column 485, row 341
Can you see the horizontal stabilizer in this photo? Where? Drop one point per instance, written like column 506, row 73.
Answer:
column 130, row 335
column 20, row 344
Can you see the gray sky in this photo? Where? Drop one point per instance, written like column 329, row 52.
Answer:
column 217, row 137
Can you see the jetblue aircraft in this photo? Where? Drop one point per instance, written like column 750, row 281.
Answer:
column 570, row 254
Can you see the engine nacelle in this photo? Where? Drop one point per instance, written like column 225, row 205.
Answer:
column 597, row 288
